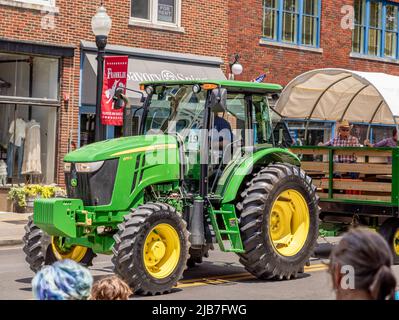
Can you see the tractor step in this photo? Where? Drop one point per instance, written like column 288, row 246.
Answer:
column 230, row 228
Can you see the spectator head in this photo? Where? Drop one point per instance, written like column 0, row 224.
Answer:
column 360, row 267
column 64, row 280
column 111, row 288
column 344, row 128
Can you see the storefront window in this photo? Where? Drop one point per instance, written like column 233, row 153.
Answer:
column 317, row 132
column 28, row 107
column 27, row 143
column 27, row 76
column 87, row 128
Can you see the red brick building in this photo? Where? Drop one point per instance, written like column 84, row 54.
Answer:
column 281, row 50
column 47, row 52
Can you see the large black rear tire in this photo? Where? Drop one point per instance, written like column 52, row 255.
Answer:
column 39, row 250
column 134, row 243
column 280, row 197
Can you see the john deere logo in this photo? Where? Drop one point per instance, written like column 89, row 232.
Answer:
column 74, row 182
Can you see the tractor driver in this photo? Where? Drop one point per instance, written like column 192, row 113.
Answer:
column 221, row 136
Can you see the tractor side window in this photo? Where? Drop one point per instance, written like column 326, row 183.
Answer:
column 261, row 121
column 268, row 126
column 228, row 132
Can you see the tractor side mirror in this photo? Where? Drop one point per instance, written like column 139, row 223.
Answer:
column 219, row 100
column 120, row 99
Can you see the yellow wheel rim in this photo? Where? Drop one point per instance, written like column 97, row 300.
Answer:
column 75, row 253
column 289, row 223
column 161, row 252
column 396, row 242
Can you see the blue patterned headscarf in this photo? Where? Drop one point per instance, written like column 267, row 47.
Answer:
column 64, row 280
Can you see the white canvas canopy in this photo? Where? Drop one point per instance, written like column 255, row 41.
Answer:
column 337, row 94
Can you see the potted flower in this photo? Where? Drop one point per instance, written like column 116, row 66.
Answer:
column 24, row 196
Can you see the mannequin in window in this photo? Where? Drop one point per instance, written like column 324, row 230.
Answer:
column 32, row 157
column 3, row 173
column 16, row 146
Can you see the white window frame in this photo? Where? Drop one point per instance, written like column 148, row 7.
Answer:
column 42, row 5
column 50, row 3
column 153, row 21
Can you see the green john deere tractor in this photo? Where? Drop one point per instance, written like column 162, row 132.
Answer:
column 207, row 163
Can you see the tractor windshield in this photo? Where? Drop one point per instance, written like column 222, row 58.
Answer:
column 175, row 109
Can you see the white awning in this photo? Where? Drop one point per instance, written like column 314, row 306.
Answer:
column 336, row 94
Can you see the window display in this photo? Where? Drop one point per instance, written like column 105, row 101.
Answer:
column 27, row 146
column 32, row 162
column 27, row 129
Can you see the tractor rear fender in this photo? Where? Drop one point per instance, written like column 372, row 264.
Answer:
column 234, row 174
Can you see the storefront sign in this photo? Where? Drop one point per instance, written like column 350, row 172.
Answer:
column 115, row 75
column 161, row 75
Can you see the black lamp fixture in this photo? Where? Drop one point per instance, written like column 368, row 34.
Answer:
column 101, row 25
column 235, row 67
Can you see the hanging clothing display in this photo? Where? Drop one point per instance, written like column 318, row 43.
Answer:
column 16, row 146
column 32, row 157
column 12, row 152
column 19, row 130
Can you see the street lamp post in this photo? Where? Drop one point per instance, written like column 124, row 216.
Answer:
column 235, row 67
column 101, row 26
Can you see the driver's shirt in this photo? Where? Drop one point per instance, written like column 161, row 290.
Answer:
column 223, row 128
column 350, row 141
column 221, row 132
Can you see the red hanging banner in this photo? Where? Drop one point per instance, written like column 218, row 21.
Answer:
column 115, row 75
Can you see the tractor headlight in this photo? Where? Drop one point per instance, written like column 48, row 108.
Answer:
column 67, row 167
column 88, row 166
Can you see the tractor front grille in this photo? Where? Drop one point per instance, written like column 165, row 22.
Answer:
column 95, row 188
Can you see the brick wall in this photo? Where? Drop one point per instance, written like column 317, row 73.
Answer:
column 283, row 64
column 206, row 33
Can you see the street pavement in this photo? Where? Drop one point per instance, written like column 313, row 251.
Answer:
column 12, row 227
column 220, row 276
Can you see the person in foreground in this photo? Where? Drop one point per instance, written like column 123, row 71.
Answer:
column 64, row 280
column 111, row 288
column 360, row 267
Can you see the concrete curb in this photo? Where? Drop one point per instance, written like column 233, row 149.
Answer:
column 10, row 242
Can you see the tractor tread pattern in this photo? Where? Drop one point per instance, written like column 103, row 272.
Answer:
column 37, row 248
column 132, row 233
column 260, row 258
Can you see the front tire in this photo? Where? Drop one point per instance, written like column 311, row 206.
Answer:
column 278, row 222
column 41, row 249
column 390, row 232
column 151, row 248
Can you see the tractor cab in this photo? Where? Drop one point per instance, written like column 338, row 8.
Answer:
column 234, row 117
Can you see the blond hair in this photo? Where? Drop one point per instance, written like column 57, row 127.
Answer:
column 111, row 288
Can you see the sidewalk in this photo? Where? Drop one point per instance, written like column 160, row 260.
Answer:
column 12, row 228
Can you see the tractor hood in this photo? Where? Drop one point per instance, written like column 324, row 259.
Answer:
column 117, row 147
